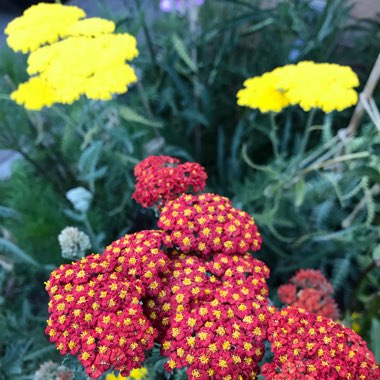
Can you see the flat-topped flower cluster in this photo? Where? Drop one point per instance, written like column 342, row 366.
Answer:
column 195, row 288
column 326, row 86
column 70, row 56
column 310, row 290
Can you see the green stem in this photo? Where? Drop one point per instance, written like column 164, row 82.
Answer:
column 347, row 157
column 91, row 232
column 273, row 134
column 363, row 276
column 320, row 165
column 331, row 144
column 306, row 134
column 147, row 35
column 146, row 104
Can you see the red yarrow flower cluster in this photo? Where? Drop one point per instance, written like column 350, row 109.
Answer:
column 212, row 315
column 95, row 304
column 194, row 288
column 313, row 347
column 310, row 290
column 162, row 178
column 208, row 224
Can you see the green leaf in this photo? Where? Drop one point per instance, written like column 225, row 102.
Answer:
column 376, row 254
column 180, row 48
column 300, row 192
column 131, row 115
column 196, row 116
column 7, row 212
column 365, row 171
column 89, row 158
column 15, row 252
column 375, row 334
column 341, row 269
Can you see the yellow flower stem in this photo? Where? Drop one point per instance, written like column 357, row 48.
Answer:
column 273, row 134
column 306, row 133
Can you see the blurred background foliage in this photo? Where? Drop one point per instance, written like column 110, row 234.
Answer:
column 318, row 210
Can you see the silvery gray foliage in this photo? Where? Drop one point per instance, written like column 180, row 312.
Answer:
column 73, row 242
column 80, row 198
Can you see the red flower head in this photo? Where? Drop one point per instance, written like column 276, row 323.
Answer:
column 310, row 290
column 95, row 307
column 162, row 178
column 308, row 346
column 208, row 223
column 213, row 315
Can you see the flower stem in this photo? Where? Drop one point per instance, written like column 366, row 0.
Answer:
column 147, row 35
column 306, row 134
column 273, row 134
column 91, row 232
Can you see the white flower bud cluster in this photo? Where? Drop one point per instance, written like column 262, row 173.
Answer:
column 47, row 371
column 80, row 198
column 73, row 242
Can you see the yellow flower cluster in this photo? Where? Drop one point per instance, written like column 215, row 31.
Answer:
column 136, row 374
column 308, row 84
column 70, row 56
column 40, row 24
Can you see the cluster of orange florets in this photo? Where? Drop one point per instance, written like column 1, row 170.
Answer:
column 194, row 288
column 310, row 290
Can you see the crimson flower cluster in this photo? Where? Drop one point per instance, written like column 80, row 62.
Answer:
column 313, row 347
column 208, row 224
column 212, row 315
column 95, row 304
column 162, row 178
column 310, row 290
column 194, row 288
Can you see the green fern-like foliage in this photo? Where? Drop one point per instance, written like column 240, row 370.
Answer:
column 41, row 214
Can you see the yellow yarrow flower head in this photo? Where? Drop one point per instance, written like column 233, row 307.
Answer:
column 95, row 67
column 261, row 92
column 326, row 86
column 90, row 27
column 136, row 374
column 85, row 58
column 40, row 24
column 308, row 84
column 36, row 85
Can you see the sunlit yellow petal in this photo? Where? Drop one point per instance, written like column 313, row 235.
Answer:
column 40, row 24
column 34, row 94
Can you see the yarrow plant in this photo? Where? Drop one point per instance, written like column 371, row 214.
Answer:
column 324, row 86
column 163, row 178
column 70, row 56
column 310, row 290
column 195, row 289
column 73, row 242
column 312, row 347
